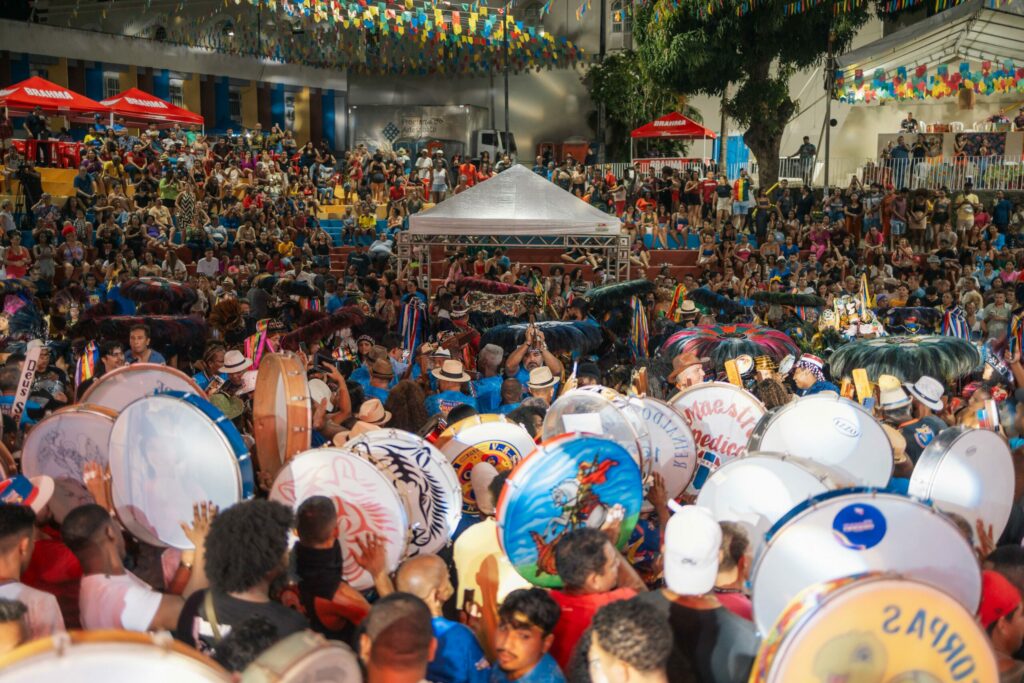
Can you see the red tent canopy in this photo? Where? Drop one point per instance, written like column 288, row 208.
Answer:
column 56, row 100
column 673, row 125
column 139, row 107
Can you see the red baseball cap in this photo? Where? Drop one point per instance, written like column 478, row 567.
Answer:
column 999, row 597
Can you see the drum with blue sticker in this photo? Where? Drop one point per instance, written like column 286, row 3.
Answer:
column 569, row 482
column 851, row 531
column 168, row 452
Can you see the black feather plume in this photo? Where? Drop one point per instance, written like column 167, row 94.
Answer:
column 615, row 294
column 560, row 336
column 789, row 299
column 715, row 301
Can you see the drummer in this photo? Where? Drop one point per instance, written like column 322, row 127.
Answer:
column 451, row 381
column 924, row 425
column 687, row 370
column 532, row 353
column 809, row 376
column 542, row 384
column 139, row 351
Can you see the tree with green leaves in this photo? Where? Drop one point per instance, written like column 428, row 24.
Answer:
column 688, row 49
column 631, row 98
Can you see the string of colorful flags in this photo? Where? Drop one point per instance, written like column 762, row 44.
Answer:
column 921, row 82
column 706, row 8
column 397, row 37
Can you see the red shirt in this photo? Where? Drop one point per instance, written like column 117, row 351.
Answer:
column 577, row 613
column 737, row 603
column 707, row 189
column 55, row 570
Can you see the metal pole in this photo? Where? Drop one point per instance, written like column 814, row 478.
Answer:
column 601, row 49
column 830, row 70
column 504, row 32
column 259, row 29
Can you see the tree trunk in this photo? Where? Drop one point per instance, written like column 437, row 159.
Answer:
column 764, row 138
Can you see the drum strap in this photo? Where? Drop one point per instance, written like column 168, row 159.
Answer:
column 211, row 615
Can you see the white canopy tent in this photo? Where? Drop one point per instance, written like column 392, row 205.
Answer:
column 975, row 30
column 516, row 208
column 514, row 202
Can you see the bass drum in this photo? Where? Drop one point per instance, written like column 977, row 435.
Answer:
column 480, row 438
column 304, row 657
column 61, row 444
column 364, row 496
column 968, row 472
column 423, row 477
column 852, row 531
column 875, row 627
column 672, row 452
column 830, row 430
column 758, row 490
column 111, row 657
column 168, row 452
column 117, row 388
column 721, row 417
column 282, row 416
column 598, row 410
column 568, row 482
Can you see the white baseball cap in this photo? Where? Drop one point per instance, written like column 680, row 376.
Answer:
column 692, row 542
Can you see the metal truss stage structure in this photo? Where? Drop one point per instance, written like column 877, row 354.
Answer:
column 614, row 248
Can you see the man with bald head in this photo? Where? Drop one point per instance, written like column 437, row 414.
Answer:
column 459, row 657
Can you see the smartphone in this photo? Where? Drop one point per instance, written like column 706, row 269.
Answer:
column 468, row 596
column 303, row 347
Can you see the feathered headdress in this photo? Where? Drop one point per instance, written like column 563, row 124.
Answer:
column 479, row 284
column 615, row 294
column 725, row 342
column 789, row 299
column 908, row 358
column 911, row 319
column 579, row 337
column 226, row 319
column 175, row 296
column 715, row 302
column 176, row 334
column 349, row 316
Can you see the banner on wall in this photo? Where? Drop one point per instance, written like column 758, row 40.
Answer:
column 413, row 127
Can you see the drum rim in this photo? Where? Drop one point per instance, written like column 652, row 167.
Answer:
column 718, row 385
column 450, row 431
column 237, row 470
column 262, row 666
column 136, row 367
column 34, row 648
column 775, row 456
column 466, row 447
column 284, row 366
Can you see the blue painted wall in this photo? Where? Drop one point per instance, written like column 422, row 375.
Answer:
column 20, row 69
column 162, row 84
column 327, row 99
column 277, row 104
column 223, row 90
column 94, row 81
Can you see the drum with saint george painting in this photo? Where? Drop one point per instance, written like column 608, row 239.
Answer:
column 569, row 482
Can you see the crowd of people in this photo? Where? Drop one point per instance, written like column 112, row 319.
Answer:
column 230, row 223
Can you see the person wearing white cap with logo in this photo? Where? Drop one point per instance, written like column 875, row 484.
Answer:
column 923, row 425
column 707, row 639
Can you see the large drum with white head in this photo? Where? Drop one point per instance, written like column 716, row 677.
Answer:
column 423, row 477
column 831, row 430
column 968, row 472
column 671, row 450
column 721, row 417
column 875, row 627
column 108, row 656
column 365, row 497
column 117, row 388
column 304, row 657
column 852, row 531
column 168, row 452
column 758, row 490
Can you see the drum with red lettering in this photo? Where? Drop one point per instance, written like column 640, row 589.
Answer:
column 875, row 627
column 108, row 656
column 721, row 417
column 365, row 497
column 831, row 430
column 851, row 531
column 479, row 438
column 304, row 657
column 758, row 489
column 117, row 388
column 969, row 472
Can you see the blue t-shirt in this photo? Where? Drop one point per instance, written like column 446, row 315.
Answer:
column 546, row 671
column 1001, row 212
column 446, row 400
column 333, row 303
column 817, row 388
column 154, row 357
column 370, row 391
column 488, row 393
column 125, row 306
column 524, row 377
column 459, row 658
column 7, row 402
column 507, row 408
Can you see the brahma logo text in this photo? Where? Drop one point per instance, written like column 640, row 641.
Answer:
column 49, row 94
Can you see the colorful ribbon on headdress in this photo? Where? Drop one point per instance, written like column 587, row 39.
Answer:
column 87, row 363
column 678, row 297
column 256, row 345
column 638, row 331
column 1016, row 335
column 866, row 301
column 412, row 325
column 309, row 303
column 954, row 323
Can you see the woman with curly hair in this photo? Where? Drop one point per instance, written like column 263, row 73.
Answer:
column 406, row 405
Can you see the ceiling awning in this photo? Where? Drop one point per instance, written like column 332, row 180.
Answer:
column 975, row 30
column 673, row 125
column 140, row 107
column 56, row 100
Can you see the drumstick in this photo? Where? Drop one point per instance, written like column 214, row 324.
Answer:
column 733, row 373
column 862, row 384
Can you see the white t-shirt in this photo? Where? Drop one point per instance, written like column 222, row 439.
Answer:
column 44, row 617
column 121, row 601
column 208, row 266
column 423, row 166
